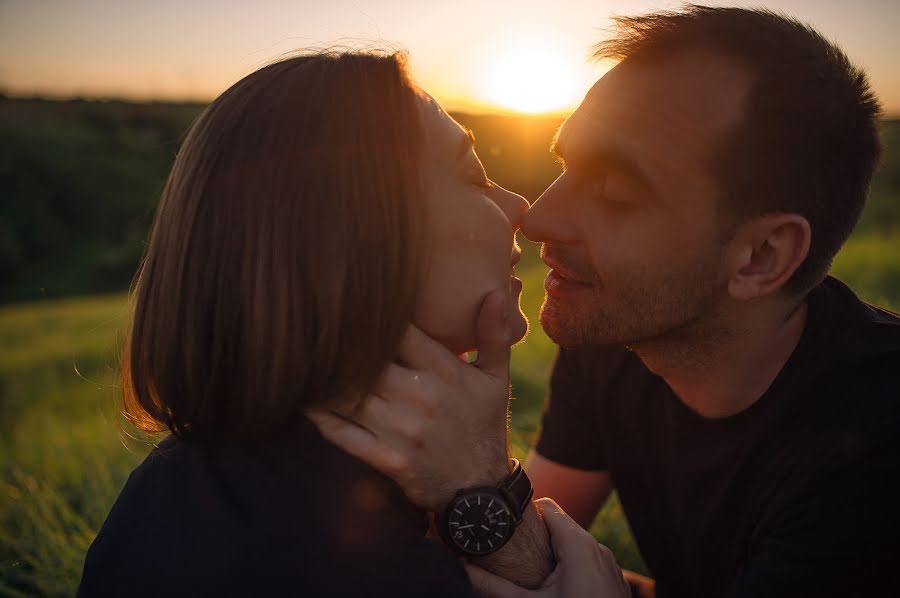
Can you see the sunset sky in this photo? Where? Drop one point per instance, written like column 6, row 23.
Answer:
column 476, row 55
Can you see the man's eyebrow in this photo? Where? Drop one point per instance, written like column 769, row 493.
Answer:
column 466, row 143
column 622, row 162
column 602, row 156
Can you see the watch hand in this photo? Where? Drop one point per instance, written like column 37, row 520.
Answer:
column 466, row 526
column 483, row 526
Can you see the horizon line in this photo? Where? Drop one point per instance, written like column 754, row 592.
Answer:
column 459, row 106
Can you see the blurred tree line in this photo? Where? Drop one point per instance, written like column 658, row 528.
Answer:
column 79, row 181
column 78, row 184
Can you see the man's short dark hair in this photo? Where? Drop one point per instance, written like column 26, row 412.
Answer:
column 809, row 141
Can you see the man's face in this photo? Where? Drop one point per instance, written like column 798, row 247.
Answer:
column 630, row 228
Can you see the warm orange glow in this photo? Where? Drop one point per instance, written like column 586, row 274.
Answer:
column 532, row 76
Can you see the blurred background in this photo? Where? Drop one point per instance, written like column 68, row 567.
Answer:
column 95, row 97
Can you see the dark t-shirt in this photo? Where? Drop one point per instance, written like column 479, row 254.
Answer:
column 295, row 517
column 798, row 495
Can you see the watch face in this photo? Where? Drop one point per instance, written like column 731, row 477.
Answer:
column 479, row 523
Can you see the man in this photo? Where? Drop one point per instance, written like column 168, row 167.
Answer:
column 744, row 405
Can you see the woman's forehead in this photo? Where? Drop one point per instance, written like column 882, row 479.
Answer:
column 441, row 131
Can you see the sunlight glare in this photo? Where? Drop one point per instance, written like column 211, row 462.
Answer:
column 532, row 76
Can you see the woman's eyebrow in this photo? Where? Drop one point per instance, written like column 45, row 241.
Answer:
column 466, row 143
column 556, row 145
column 556, row 150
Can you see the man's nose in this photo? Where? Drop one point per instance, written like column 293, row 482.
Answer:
column 546, row 220
column 514, row 206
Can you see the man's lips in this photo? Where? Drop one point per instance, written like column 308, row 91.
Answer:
column 560, row 281
column 560, row 271
column 556, row 284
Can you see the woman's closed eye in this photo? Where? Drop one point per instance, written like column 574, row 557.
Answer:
column 475, row 175
column 483, row 182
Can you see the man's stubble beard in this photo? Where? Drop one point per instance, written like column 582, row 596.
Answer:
column 677, row 309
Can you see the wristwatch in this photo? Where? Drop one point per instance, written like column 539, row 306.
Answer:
column 479, row 521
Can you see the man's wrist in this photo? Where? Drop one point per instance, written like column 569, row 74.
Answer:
column 495, row 474
column 527, row 559
column 480, row 520
column 490, row 476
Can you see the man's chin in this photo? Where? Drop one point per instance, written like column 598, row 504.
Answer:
column 568, row 330
column 562, row 333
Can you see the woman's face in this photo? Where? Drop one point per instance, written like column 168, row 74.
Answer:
column 472, row 236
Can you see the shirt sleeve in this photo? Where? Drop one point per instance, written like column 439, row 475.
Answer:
column 569, row 432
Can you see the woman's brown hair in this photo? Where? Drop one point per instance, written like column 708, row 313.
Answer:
column 285, row 253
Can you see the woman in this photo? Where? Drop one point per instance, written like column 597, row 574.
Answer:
column 316, row 208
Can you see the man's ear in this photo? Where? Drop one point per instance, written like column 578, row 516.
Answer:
column 765, row 252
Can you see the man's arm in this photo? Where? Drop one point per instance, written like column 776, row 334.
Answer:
column 579, row 492
column 527, row 559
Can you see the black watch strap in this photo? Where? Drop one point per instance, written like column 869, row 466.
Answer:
column 514, row 492
column 517, row 489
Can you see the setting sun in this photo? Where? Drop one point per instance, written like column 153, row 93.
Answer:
column 532, row 77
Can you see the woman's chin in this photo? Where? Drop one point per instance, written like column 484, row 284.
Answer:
column 518, row 326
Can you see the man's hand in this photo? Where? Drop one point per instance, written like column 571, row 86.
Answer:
column 435, row 424
column 584, row 567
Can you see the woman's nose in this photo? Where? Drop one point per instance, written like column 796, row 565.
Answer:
column 512, row 204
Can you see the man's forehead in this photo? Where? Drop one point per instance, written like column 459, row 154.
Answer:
column 609, row 125
column 682, row 102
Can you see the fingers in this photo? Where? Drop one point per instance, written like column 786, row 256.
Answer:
column 422, row 352
column 359, row 442
column 491, row 586
column 398, row 382
column 493, row 335
column 645, row 584
column 567, row 537
column 395, row 421
column 576, row 549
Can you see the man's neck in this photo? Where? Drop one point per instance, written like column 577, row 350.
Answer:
column 724, row 369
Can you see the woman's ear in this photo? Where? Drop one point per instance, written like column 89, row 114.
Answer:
column 765, row 253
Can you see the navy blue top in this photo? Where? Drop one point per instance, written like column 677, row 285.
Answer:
column 296, row 516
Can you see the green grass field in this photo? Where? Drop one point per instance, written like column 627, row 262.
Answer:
column 65, row 450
